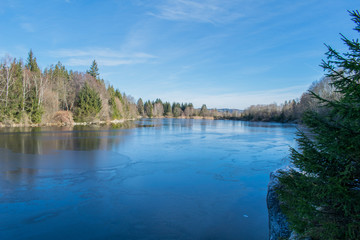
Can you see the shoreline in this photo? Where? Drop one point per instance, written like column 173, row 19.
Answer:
column 108, row 122
column 118, row 121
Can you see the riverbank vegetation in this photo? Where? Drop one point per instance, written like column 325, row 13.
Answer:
column 292, row 110
column 56, row 95
column 321, row 197
column 29, row 95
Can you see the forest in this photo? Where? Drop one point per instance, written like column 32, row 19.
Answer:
column 57, row 95
column 293, row 110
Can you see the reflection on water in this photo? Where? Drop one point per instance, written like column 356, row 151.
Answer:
column 147, row 179
column 42, row 140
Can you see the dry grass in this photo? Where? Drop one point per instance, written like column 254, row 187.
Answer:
column 63, row 118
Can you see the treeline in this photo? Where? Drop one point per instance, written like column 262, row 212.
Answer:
column 293, row 110
column 57, row 95
column 158, row 109
column 29, row 95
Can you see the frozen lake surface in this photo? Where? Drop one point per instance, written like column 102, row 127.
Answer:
column 150, row 179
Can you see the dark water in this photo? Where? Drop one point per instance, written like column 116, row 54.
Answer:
column 151, row 179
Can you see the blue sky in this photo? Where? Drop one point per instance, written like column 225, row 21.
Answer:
column 222, row 53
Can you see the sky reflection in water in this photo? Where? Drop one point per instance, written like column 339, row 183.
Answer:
column 150, row 179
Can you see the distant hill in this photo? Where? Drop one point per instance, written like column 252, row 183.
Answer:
column 230, row 110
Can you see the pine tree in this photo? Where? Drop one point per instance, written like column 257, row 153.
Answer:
column 33, row 102
column 94, row 70
column 31, row 62
column 322, row 198
column 167, row 109
column 176, row 109
column 203, row 111
column 148, row 109
column 140, row 106
column 88, row 104
column 114, row 110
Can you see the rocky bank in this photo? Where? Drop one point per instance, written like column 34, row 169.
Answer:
column 278, row 224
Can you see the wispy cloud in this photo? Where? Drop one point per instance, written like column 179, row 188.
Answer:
column 206, row 11
column 28, row 27
column 104, row 57
column 16, row 51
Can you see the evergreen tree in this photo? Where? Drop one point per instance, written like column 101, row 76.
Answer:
column 177, row 112
column 167, row 109
column 322, row 199
column 158, row 100
column 119, row 95
column 176, row 109
column 33, row 108
column 31, row 62
column 140, row 106
column 203, row 111
column 148, row 107
column 10, row 89
column 88, row 104
column 94, row 70
column 33, row 102
column 114, row 110
column 16, row 94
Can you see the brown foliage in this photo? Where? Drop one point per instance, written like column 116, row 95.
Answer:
column 63, row 117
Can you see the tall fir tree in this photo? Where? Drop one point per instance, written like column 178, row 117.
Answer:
column 167, row 109
column 203, row 111
column 140, row 107
column 322, row 198
column 33, row 102
column 94, row 70
column 148, row 109
column 32, row 63
column 88, row 104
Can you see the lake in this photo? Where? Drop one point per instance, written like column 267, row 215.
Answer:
column 147, row 179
